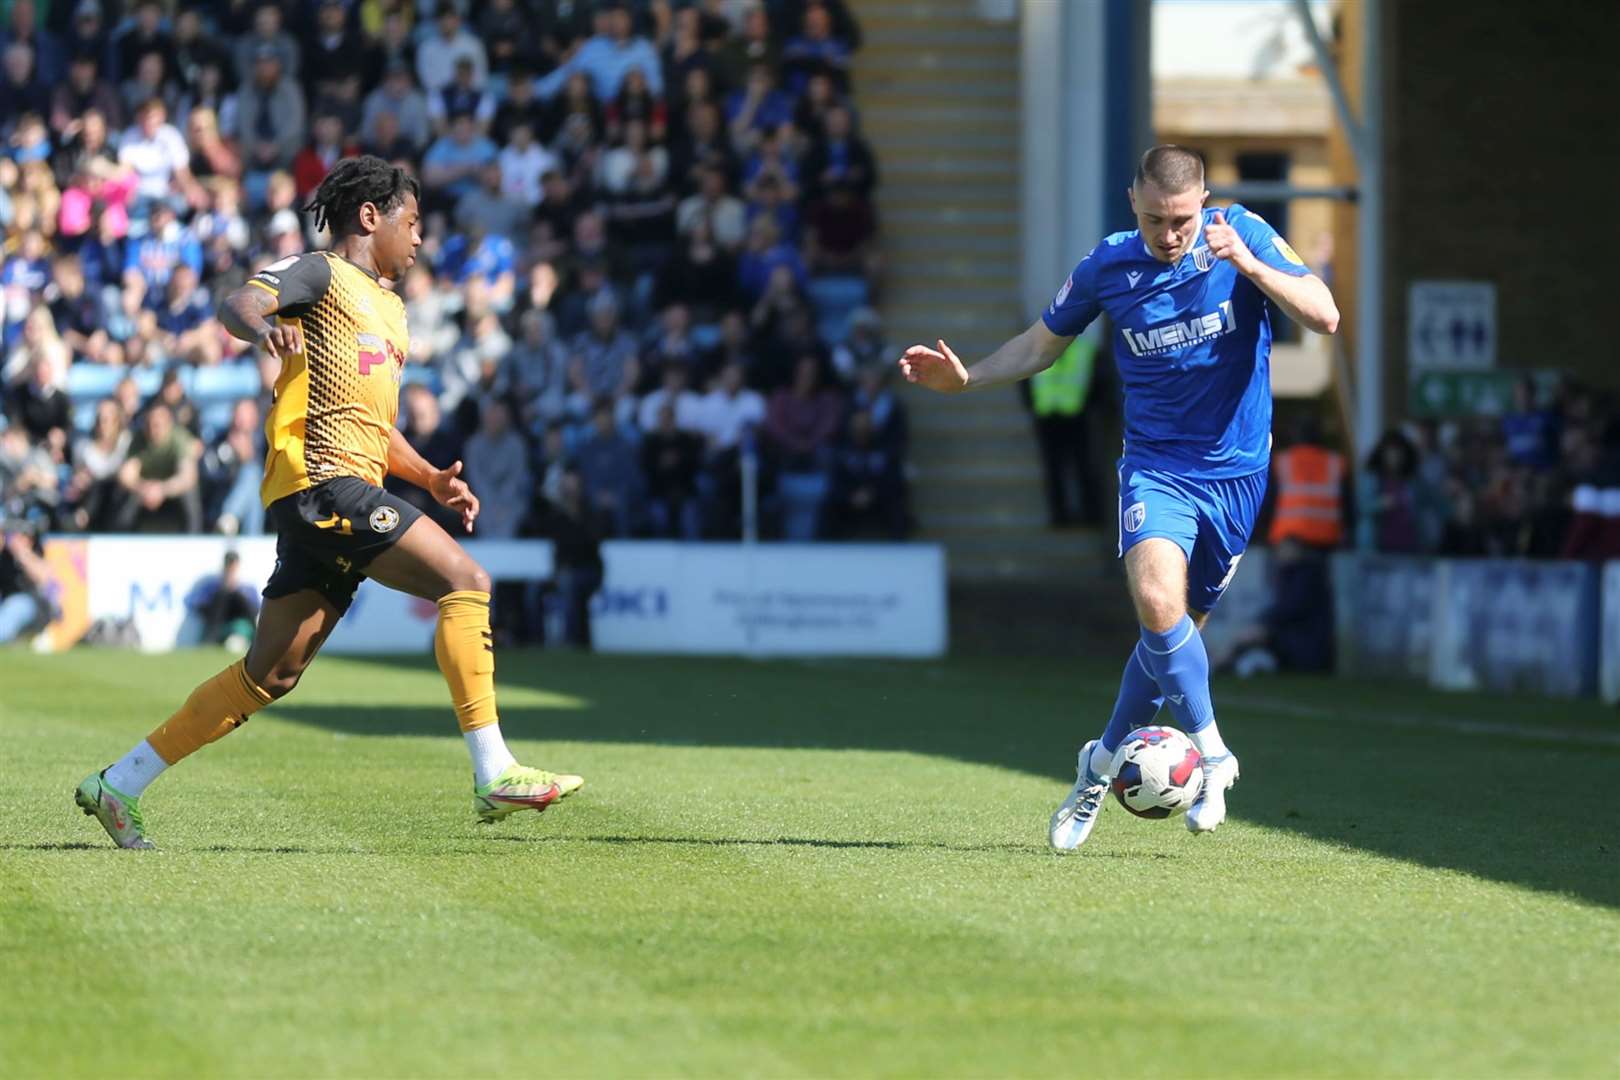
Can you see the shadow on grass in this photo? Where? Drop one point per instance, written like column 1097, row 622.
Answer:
column 1479, row 804
column 793, row 841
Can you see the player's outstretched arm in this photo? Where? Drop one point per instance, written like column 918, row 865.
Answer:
column 1036, row 349
column 445, row 485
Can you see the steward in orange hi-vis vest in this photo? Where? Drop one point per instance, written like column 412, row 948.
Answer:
column 1309, row 501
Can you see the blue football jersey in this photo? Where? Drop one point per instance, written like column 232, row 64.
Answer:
column 1192, row 343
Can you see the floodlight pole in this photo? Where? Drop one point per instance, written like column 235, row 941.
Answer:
column 1366, row 139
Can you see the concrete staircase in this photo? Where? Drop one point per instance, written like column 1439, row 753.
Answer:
column 938, row 91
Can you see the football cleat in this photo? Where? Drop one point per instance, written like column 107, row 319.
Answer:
column 521, row 788
column 1209, row 809
column 1072, row 821
column 119, row 814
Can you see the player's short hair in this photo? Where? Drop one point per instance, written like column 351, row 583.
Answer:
column 1170, row 168
column 351, row 184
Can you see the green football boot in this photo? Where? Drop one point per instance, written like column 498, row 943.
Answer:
column 522, row 788
column 119, row 814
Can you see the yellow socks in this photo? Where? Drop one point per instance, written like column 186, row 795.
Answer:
column 214, row 710
column 463, row 645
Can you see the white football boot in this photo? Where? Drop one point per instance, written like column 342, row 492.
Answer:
column 1209, row 809
column 1072, row 822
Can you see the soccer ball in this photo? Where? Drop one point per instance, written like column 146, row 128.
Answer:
column 1156, row 772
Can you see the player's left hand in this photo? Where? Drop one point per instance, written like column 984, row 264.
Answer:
column 450, row 490
column 1225, row 243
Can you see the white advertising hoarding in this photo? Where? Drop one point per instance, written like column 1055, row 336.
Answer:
column 1609, row 665
column 772, row 599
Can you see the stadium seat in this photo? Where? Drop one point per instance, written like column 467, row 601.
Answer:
column 421, row 373
column 835, row 299
column 226, row 382
column 92, row 382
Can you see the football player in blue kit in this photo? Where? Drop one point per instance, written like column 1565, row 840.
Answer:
column 1189, row 293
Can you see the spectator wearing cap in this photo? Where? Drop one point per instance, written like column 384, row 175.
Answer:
column 326, row 148
column 82, row 91
column 142, row 35
column 452, row 165
column 396, row 96
column 609, row 54
column 446, row 43
column 21, row 89
column 462, row 94
column 155, row 150
column 270, row 118
column 267, row 33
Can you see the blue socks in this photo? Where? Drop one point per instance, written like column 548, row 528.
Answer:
column 1138, row 703
column 1180, row 666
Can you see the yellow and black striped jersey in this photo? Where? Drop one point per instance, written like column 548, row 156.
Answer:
column 335, row 402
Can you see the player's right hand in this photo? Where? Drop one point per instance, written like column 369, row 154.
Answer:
column 937, row 369
column 282, row 339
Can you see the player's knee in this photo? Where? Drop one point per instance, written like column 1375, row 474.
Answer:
column 469, row 577
column 1158, row 607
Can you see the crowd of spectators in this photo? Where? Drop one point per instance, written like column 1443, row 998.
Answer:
column 1540, row 481
column 650, row 251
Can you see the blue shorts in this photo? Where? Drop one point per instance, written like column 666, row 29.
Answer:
column 1209, row 520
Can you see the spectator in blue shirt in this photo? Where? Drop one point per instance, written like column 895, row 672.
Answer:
column 758, row 107
column 479, row 254
column 606, row 58
column 1530, row 431
column 816, row 50
column 763, row 254
column 150, row 261
column 454, row 161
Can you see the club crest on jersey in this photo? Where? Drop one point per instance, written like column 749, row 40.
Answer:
column 1203, row 258
column 1135, row 514
column 1166, row 337
column 384, row 519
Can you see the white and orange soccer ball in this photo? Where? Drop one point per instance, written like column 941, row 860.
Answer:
column 1157, row 772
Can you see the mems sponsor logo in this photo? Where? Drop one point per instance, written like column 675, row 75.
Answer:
column 1167, row 337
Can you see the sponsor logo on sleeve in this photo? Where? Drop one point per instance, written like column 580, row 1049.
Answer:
column 1286, row 251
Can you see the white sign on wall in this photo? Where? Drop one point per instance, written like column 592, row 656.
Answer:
column 772, row 599
column 1451, row 326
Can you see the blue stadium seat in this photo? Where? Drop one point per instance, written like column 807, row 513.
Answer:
column 215, row 416
column 839, row 293
column 224, row 382
column 92, row 382
column 421, row 373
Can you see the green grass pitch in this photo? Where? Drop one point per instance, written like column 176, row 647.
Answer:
column 798, row 869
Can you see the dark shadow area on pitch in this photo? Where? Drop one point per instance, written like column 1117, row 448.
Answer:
column 805, row 842
column 59, row 845
column 1434, row 798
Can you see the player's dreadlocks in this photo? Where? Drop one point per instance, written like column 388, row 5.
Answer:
column 351, row 184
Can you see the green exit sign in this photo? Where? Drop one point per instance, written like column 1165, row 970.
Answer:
column 1472, row 393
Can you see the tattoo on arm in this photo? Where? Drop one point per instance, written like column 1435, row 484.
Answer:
column 245, row 313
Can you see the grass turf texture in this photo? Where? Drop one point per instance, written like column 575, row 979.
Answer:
column 801, row 869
